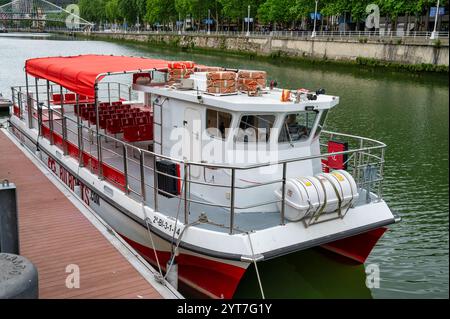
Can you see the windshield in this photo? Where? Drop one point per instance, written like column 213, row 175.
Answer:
column 297, row 127
column 255, row 128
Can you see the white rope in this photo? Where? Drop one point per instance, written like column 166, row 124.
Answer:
column 151, row 239
column 256, row 267
column 173, row 251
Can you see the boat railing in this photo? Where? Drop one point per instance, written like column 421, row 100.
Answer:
column 364, row 160
column 108, row 91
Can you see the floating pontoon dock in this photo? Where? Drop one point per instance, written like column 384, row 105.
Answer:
column 58, row 232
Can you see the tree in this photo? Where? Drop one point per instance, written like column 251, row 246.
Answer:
column 128, row 10
column 92, row 10
column 236, row 10
column 160, row 11
column 112, row 11
column 276, row 11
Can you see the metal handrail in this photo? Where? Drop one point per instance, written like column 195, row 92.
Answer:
column 410, row 37
column 359, row 163
column 250, row 166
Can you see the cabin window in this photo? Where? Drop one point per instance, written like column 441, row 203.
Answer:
column 218, row 123
column 297, row 127
column 255, row 128
column 323, row 117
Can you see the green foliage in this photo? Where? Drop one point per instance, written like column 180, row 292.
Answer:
column 266, row 11
column 160, row 11
column 112, row 11
column 92, row 10
column 276, row 11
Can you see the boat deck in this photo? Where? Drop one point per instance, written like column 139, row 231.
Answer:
column 112, row 154
column 54, row 233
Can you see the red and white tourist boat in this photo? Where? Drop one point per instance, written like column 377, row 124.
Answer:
column 244, row 171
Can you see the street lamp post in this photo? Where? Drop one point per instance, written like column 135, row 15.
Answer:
column 434, row 34
column 248, row 22
column 209, row 20
column 313, row 35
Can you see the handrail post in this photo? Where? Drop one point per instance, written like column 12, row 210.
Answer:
column 20, row 104
column 109, row 93
column 380, row 185
column 125, row 167
column 36, row 81
column 118, row 91
column 29, row 105
column 63, row 124
column 13, row 98
column 80, row 134
column 360, row 160
column 155, row 184
column 129, row 93
column 99, row 140
column 186, row 208
column 39, row 116
column 283, row 195
column 50, row 112
column 233, row 173
column 141, row 167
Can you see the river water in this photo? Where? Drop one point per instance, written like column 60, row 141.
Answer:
column 408, row 112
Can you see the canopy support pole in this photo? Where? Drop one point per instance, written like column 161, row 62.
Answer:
column 29, row 105
column 99, row 140
column 63, row 123
column 50, row 113
column 39, row 110
column 36, row 83
column 80, row 133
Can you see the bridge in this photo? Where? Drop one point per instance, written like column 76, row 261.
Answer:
column 39, row 14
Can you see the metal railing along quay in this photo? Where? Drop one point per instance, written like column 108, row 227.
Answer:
column 397, row 37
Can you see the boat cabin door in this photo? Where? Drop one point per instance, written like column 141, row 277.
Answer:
column 192, row 139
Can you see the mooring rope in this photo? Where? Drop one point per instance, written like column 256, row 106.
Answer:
column 153, row 244
column 256, row 267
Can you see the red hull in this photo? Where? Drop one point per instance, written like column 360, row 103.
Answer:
column 212, row 278
column 357, row 247
column 220, row 280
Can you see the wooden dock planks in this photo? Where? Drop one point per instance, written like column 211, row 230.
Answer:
column 54, row 234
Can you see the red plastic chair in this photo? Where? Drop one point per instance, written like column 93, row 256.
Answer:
column 130, row 134
column 69, row 98
column 56, row 98
column 128, row 122
column 92, row 118
column 103, row 119
column 146, row 132
column 113, row 126
column 142, row 120
column 85, row 113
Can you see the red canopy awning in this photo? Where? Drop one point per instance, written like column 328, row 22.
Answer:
column 78, row 73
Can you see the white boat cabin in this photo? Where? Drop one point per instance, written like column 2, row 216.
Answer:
column 237, row 130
